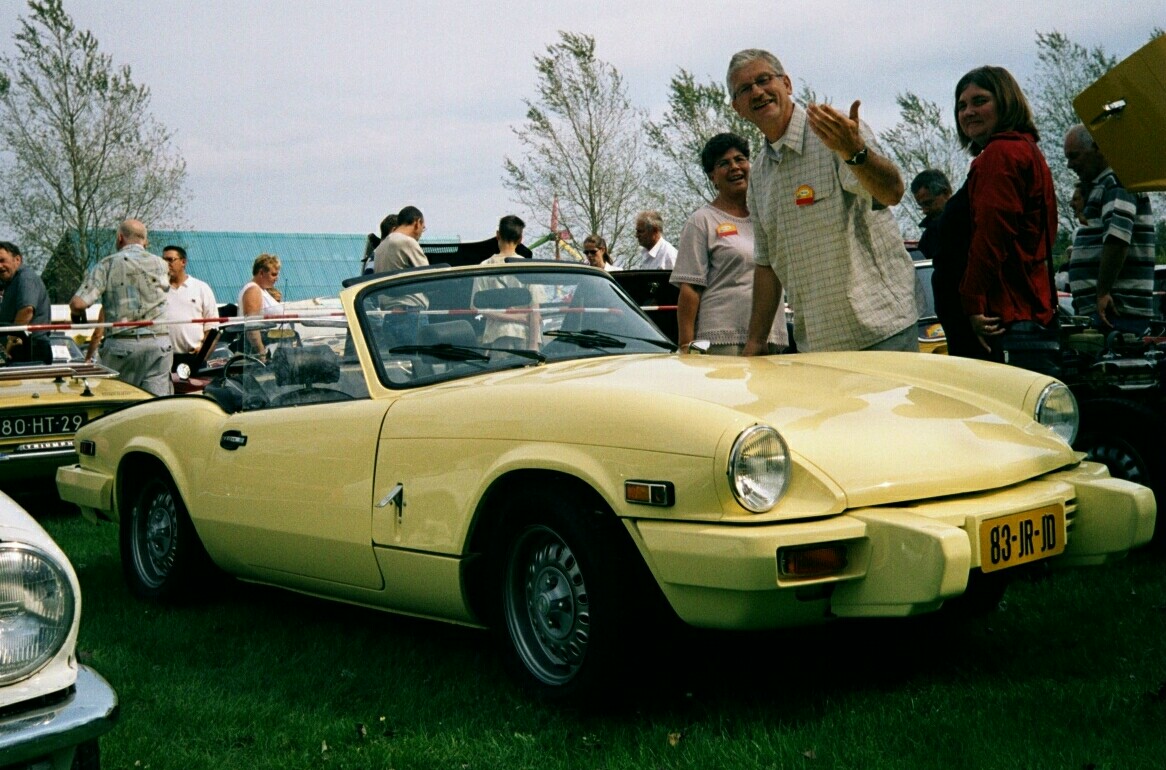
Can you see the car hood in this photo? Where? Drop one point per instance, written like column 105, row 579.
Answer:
column 884, row 427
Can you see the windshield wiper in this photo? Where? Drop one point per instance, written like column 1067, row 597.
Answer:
column 587, row 338
column 444, row 351
column 448, row 352
column 590, row 338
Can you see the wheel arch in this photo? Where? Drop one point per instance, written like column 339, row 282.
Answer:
column 490, row 517
column 1127, row 430
column 133, row 471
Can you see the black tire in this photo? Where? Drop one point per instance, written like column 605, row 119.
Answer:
column 1129, row 438
column 161, row 555
column 87, row 756
column 564, row 600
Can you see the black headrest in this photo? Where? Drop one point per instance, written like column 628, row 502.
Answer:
column 517, row 296
column 460, row 333
column 311, row 365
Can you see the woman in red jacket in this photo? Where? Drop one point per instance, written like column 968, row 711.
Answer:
column 1007, row 289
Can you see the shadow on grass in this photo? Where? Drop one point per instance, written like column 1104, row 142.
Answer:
column 265, row 651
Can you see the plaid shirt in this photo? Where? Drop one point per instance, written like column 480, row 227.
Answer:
column 842, row 262
column 131, row 284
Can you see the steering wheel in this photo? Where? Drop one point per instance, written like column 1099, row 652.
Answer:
column 238, row 359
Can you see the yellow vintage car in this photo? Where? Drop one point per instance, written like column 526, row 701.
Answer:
column 517, row 446
column 41, row 407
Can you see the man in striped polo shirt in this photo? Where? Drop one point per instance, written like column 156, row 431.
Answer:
column 1111, row 271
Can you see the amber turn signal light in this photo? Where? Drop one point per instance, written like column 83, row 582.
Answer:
column 811, row 562
column 660, row 493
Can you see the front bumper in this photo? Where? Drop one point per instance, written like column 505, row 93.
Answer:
column 900, row 560
column 49, row 731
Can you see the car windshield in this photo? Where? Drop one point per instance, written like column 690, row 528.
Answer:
column 443, row 326
column 287, row 360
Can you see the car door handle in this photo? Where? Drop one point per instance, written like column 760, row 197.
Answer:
column 232, row 439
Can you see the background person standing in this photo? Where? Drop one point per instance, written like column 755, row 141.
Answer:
column 1111, row 267
column 132, row 285
column 188, row 298
column 26, row 301
column 655, row 252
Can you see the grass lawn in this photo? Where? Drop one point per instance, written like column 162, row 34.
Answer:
column 1069, row 673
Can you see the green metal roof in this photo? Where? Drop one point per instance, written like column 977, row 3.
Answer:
column 311, row 264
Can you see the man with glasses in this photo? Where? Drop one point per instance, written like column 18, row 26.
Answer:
column 188, row 298
column 819, row 195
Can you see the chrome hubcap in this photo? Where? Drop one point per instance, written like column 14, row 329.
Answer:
column 547, row 608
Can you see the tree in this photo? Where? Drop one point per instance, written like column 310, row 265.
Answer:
column 696, row 113
column 79, row 151
column 922, row 140
column 1064, row 69
column 582, row 144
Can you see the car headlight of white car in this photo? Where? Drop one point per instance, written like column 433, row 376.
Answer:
column 1056, row 409
column 36, row 610
column 759, row 468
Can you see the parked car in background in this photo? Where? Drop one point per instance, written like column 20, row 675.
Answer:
column 52, row 708
column 41, row 407
column 516, row 446
column 65, row 348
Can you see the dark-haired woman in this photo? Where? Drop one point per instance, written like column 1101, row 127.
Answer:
column 714, row 263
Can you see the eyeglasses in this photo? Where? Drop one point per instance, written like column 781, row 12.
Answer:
column 761, row 82
column 590, row 252
column 171, row 259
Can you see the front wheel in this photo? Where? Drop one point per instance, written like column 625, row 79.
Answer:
column 161, row 554
column 566, row 601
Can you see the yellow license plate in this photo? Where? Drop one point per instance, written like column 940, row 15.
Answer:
column 1020, row 538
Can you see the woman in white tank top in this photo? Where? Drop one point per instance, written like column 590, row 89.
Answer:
column 254, row 298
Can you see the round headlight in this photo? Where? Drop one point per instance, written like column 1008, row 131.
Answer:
column 1056, row 409
column 36, row 610
column 759, row 468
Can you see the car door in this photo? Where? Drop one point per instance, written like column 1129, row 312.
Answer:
column 290, row 492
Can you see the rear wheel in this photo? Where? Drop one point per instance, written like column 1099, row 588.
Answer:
column 161, row 554
column 565, row 600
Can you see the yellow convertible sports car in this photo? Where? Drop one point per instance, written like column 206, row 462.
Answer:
column 40, row 409
column 516, row 446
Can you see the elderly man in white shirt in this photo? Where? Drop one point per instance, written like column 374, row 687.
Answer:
column 657, row 253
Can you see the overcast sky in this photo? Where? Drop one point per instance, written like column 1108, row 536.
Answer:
column 314, row 116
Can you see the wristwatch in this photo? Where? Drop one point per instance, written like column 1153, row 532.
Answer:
column 858, row 158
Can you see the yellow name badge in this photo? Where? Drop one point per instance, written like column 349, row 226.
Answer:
column 725, row 229
column 804, row 195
